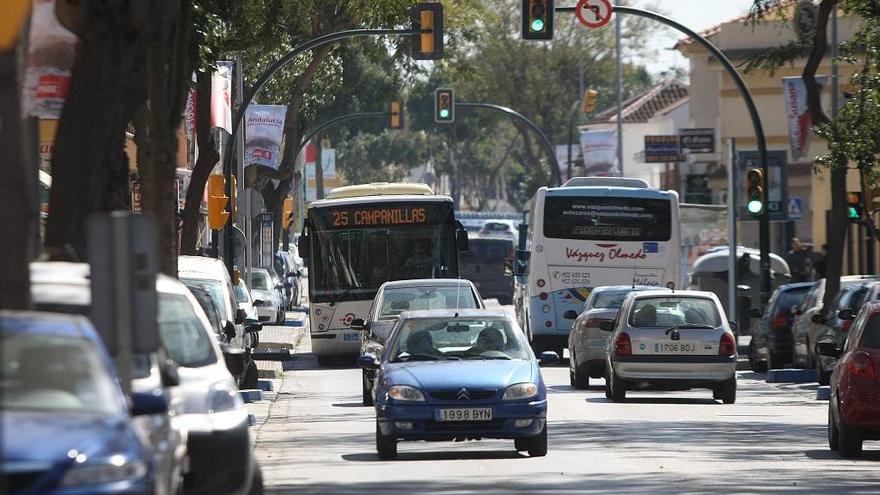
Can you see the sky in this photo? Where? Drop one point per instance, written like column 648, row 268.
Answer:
column 695, row 14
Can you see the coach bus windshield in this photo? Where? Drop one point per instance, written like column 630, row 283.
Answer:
column 363, row 246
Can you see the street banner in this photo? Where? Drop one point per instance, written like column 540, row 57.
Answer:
column 311, row 183
column 799, row 122
column 264, row 129
column 328, row 162
column 221, row 96
column 50, row 57
column 599, row 149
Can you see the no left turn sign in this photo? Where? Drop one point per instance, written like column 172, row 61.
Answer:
column 593, row 13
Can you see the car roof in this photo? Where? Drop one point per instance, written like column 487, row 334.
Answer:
column 451, row 313
column 421, row 282
column 44, row 322
column 608, row 288
column 59, row 281
column 670, row 293
column 796, row 285
column 200, row 267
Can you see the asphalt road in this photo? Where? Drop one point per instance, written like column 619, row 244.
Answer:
column 319, row 439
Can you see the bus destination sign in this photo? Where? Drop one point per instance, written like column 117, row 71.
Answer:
column 376, row 217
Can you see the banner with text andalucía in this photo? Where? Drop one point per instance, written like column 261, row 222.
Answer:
column 264, row 129
column 799, row 123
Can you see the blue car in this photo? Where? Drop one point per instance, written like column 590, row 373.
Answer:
column 67, row 428
column 459, row 375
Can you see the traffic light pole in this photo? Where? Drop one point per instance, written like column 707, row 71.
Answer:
column 555, row 175
column 260, row 83
column 753, row 114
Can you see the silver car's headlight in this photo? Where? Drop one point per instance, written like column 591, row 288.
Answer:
column 519, row 391
column 111, row 470
column 223, row 396
column 406, row 393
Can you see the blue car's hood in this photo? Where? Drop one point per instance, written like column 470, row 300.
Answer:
column 438, row 375
column 48, row 437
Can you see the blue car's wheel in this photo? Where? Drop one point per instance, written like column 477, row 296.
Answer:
column 521, row 444
column 386, row 445
column 538, row 444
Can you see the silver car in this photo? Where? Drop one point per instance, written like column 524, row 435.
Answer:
column 586, row 341
column 674, row 340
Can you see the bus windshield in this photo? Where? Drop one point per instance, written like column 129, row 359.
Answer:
column 361, row 249
column 604, row 218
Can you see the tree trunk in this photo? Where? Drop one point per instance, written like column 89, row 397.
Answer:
column 16, row 187
column 89, row 167
column 208, row 157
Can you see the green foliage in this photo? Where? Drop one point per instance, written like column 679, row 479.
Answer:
column 387, row 156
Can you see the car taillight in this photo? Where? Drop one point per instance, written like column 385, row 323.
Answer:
column 780, row 322
column 594, row 322
column 623, row 345
column 727, row 346
column 861, row 365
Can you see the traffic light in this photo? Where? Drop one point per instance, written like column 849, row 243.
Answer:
column 217, row 200
column 287, row 216
column 537, row 19
column 396, row 120
column 444, row 106
column 854, row 207
column 755, row 183
column 589, row 101
column 427, row 18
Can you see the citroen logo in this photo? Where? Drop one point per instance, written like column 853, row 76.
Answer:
column 463, row 394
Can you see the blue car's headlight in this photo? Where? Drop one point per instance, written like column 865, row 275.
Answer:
column 517, row 391
column 406, row 393
column 111, row 470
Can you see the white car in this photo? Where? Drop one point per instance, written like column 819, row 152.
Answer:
column 676, row 340
column 266, row 300
column 245, row 301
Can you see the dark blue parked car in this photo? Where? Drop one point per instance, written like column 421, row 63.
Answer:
column 448, row 375
column 67, row 428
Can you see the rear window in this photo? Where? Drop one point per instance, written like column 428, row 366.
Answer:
column 260, row 281
column 790, row 298
column 613, row 300
column 399, row 299
column 674, row 311
column 871, row 335
column 489, row 251
column 607, row 218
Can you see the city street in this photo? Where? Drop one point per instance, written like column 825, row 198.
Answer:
column 319, row 439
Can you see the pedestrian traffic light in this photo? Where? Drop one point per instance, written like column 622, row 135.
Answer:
column 755, row 183
column 854, row 207
column 537, row 19
column 444, row 106
column 287, row 216
column 217, row 201
column 588, row 104
column 396, row 118
column 427, row 20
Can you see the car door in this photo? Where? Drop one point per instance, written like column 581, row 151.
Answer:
column 800, row 328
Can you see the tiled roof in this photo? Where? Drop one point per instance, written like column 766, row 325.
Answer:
column 643, row 107
column 712, row 31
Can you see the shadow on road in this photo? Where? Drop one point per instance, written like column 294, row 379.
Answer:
column 439, row 455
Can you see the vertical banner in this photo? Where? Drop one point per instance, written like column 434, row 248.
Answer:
column 221, row 96
column 799, row 122
column 264, row 129
column 49, row 60
column 328, row 162
column 267, row 251
column 311, row 184
column 599, row 149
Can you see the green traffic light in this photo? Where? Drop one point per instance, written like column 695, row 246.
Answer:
column 755, row 206
column 444, row 113
column 538, row 25
column 853, row 213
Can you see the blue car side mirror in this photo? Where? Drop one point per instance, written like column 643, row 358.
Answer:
column 548, row 357
column 144, row 403
column 368, row 362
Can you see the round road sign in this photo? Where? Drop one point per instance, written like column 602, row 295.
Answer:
column 593, row 13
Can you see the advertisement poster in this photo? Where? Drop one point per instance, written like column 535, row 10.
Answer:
column 799, row 123
column 49, row 60
column 221, row 96
column 599, row 149
column 264, row 129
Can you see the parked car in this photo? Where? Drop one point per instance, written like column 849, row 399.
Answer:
column 289, row 277
column 482, row 381
column 486, row 264
column 245, row 300
column 393, row 298
column 854, row 408
column 267, row 300
column 835, row 329
column 772, row 344
column 280, row 287
column 212, row 273
column 61, row 287
column 679, row 340
column 67, row 428
column 586, row 341
column 215, row 319
column 808, row 318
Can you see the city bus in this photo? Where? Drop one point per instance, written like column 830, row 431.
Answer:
column 362, row 236
column 592, row 232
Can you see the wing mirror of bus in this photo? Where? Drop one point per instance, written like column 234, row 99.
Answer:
column 522, row 262
column 302, row 245
column 523, row 230
column 461, row 240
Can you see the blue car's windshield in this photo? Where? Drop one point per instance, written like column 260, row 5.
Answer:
column 457, row 338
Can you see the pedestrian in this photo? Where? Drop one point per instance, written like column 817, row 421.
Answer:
column 819, row 262
column 799, row 261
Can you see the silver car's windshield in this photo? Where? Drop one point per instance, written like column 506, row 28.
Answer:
column 396, row 300
column 457, row 338
column 674, row 311
column 54, row 373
